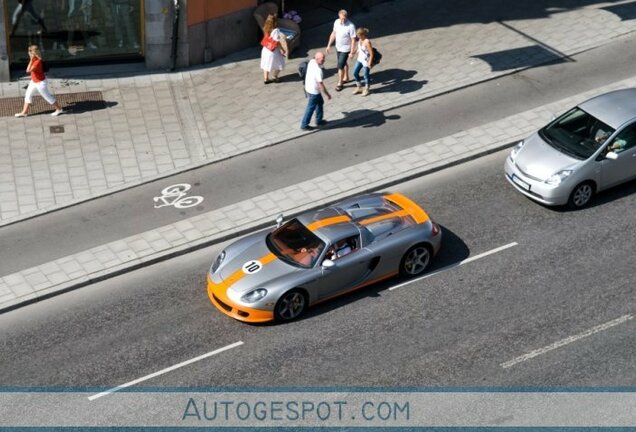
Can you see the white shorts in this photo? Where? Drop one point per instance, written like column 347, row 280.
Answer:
column 43, row 88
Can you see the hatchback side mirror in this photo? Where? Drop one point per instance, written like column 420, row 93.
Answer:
column 279, row 220
column 611, row 155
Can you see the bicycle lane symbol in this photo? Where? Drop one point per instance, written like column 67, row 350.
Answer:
column 175, row 195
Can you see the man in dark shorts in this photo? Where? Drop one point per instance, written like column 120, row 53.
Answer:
column 344, row 35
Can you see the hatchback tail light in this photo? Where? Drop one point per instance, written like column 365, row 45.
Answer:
column 434, row 229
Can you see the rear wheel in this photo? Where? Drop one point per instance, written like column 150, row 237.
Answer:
column 416, row 260
column 581, row 195
column 290, row 306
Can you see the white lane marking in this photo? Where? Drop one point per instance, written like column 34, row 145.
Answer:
column 566, row 341
column 166, row 370
column 452, row 266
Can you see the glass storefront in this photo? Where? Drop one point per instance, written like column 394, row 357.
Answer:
column 73, row 31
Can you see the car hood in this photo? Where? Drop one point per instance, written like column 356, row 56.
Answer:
column 264, row 269
column 540, row 160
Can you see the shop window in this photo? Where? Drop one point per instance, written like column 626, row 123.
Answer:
column 74, row 30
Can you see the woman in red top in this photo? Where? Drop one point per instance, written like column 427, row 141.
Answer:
column 38, row 82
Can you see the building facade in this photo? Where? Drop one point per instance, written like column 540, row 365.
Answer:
column 80, row 32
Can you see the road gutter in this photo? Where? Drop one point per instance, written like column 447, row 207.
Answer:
column 160, row 244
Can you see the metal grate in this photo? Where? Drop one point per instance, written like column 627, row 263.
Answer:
column 71, row 102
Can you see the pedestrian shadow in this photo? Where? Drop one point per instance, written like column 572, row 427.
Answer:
column 80, row 107
column 396, row 81
column 364, row 118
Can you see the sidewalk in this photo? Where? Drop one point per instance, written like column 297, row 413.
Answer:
column 159, row 244
column 156, row 125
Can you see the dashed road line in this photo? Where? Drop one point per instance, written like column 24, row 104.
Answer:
column 566, row 341
column 452, row 266
column 166, row 370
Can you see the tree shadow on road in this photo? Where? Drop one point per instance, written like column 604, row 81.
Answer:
column 516, row 58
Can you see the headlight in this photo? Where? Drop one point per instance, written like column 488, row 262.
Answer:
column 516, row 149
column 217, row 262
column 556, row 179
column 254, row 296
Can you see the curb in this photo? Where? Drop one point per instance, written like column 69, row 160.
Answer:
column 202, row 164
column 261, row 223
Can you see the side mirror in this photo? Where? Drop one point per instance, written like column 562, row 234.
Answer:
column 611, row 155
column 327, row 263
column 279, row 220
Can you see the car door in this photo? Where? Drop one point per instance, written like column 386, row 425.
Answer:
column 622, row 169
column 347, row 272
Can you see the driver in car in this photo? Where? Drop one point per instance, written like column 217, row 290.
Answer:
column 340, row 249
column 601, row 136
column 307, row 255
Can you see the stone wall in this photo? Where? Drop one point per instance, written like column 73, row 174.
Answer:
column 219, row 37
column 159, row 15
column 4, row 53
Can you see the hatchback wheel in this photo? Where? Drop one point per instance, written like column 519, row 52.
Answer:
column 581, row 195
column 416, row 260
column 290, row 306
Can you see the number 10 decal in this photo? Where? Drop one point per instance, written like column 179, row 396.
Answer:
column 252, row 267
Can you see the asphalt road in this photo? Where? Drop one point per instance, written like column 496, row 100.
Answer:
column 110, row 218
column 569, row 272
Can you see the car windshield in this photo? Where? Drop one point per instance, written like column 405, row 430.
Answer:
column 295, row 244
column 576, row 133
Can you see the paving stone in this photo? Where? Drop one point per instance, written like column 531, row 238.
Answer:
column 35, row 278
column 23, row 291
column 92, row 267
column 126, row 144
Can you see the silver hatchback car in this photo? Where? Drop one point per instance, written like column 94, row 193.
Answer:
column 590, row 148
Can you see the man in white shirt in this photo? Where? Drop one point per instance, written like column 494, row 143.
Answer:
column 314, row 87
column 344, row 34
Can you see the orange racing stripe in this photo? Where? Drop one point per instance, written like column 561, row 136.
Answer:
column 238, row 275
column 220, row 291
column 395, row 214
column 407, row 204
column 327, row 222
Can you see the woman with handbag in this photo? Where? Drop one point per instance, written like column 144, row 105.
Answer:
column 274, row 50
column 365, row 62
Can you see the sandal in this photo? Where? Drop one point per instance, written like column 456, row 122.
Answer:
column 267, row 81
column 339, row 87
column 276, row 80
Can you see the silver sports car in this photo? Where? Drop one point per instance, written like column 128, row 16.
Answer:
column 275, row 274
column 590, row 148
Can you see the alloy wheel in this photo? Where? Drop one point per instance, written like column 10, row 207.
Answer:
column 416, row 260
column 291, row 305
column 582, row 195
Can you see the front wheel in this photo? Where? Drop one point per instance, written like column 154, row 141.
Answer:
column 416, row 260
column 290, row 306
column 581, row 195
